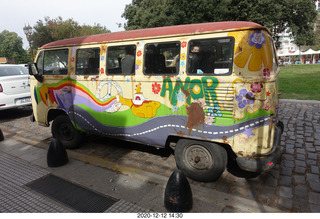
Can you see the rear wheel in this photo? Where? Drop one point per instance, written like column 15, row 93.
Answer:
column 199, row 160
column 63, row 130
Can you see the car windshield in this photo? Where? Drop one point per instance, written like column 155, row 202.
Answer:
column 12, row 70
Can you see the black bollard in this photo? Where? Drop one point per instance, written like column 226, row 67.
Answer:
column 178, row 194
column 1, row 136
column 57, row 154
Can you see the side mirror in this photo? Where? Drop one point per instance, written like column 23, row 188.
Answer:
column 33, row 70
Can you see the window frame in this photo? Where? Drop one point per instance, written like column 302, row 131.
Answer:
column 134, row 63
column 232, row 42
column 161, row 73
column 40, row 57
column 76, row 62
column 43, row 60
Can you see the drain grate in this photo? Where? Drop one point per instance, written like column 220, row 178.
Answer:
column 73, row 196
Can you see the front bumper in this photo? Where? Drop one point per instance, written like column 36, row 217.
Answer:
column 264, row 162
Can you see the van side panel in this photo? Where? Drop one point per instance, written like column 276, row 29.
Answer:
column 237, row 109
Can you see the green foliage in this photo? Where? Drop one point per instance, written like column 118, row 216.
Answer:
column 299, row 15
column 317, row 43
column 11, row 47
column 57, row 29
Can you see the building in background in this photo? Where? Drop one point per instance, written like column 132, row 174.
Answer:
column 289, row 52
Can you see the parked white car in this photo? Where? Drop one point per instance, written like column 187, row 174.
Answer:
column 14, row 86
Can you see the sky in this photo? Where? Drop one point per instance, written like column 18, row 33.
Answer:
column 15, row 14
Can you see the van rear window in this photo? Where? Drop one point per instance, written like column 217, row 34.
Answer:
column 210, row 56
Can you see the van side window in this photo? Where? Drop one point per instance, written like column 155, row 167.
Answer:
column 121, row 60
column 55, row 62
column 88, row 61
column 210, row 56
column 40, row 62
column 162, row 58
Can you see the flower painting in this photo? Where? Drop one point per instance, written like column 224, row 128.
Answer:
column 252, row 49
column 156, row 88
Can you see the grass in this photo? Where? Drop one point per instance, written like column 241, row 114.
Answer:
column 301, row 82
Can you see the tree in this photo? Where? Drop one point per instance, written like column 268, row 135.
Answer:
column 317, row 27
column 277, row 15
column 57, row 29
column 11, row 47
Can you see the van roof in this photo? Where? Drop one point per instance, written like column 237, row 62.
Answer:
column 155, row 32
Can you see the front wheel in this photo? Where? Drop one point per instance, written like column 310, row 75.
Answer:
column 63, row 130
column 199, row 160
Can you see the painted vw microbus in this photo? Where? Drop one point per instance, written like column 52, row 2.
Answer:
column 210, row 91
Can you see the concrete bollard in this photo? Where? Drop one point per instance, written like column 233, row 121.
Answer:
column 1, row 136
column 57, row 154
column 178, row 194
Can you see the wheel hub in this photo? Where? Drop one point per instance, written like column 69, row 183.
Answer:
column 198, row 157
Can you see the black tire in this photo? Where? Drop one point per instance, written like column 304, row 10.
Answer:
column 199, row 160
column 63, row 130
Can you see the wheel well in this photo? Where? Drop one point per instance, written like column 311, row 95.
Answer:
column 53, row 113
column 172, row 140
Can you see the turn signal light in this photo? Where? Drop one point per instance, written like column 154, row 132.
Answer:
column 1, row 90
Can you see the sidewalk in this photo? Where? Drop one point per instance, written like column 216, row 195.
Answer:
column 21, row 164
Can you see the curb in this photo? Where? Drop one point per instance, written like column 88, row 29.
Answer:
column 299, row 101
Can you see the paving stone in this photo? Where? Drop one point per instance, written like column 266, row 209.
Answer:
column 285, row 191
column 300, row 163
column 300, row 191
column 286, row 171
column 310, row 148
column 300, row 170
column 285, row 203
column 314, row 208
column 308, row 134
column 309, row 139
column 299, row 179
column 301, row 151
column 300, row 141
column 285, row 180
column 290, row 151
column 301, row 157
column 313, row 156
column 289, row 163
column 300, row 205
column 315, row 169
column 311, row 162
column 314, row 186
column 314, row 198
column 300, row 136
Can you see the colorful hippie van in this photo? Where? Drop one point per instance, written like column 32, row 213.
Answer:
column 208, row 90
